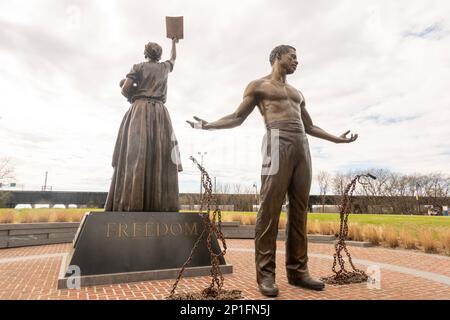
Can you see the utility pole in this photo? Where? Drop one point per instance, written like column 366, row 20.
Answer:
column 44, row 188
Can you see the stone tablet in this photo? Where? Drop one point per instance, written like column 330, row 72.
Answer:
column 174, row 27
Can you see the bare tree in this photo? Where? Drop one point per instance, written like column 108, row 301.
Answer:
column 237, row 188
column 340, row 181
column 323, row 179
column 6, row 176
column 6, row 170
column 226, row 188
column 436, row 186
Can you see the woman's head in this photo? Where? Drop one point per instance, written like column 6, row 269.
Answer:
column 153, row 51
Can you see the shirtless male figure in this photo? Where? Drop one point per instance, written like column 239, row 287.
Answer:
column 285, row 116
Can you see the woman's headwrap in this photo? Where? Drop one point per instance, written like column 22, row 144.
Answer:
column 153, row 51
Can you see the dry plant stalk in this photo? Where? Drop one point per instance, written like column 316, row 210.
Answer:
column 40, row 217
column 313, row 227
column 329, row 228
column 7, row 217
column 282, row 224
column 372, row 234
column 390, row 236
column 25, row 217
column 445, row 241
column 355, row 232
column 427, row 241
column 407, row 239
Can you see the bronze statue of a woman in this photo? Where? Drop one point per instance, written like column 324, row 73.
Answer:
column 146, row 157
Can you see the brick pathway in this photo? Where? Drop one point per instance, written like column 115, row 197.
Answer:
column 32, row 272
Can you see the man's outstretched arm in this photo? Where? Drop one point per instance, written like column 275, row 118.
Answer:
column 317, row 132
column 234, row 119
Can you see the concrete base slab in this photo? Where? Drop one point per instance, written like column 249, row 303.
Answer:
column 361, row 244
column 114, row 278
column 319, row 238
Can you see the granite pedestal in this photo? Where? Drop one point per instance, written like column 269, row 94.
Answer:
column 116, row 247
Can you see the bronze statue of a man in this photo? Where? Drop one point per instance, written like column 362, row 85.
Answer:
column 145, row 174
column 283, row 109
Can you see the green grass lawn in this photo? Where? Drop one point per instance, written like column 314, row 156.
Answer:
column 376, row 219
column 414, row 223
column 386, row 219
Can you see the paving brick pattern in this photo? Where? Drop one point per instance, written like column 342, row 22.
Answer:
column 36, row 277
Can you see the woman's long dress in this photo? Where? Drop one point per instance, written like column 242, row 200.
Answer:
column 146, row 158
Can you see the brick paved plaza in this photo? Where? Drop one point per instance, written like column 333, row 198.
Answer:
column 32, row 273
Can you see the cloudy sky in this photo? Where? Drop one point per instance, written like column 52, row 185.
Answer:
column 379, row 68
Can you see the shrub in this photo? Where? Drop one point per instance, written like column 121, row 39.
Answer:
column 390, row 237
column 313, row 227
column 7, row 217
column 77, row 216
column 329, row 228
column 335, row 228
column 354, row 232
column 225, row 217
column 445, row 241
column 372, row 234
column 427, row 241
column 236, row 217
column 25, row 217
column 407, row 239
column 41, row 217
column 282, row 223
column 244, row 219
column 59, row 216
column 251, row 220
column 325, row 227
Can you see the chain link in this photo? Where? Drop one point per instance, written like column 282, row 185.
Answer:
column 212, row 226
column 343, row 276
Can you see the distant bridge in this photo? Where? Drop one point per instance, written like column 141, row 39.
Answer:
column 98, row 199
column 89, row 199
column 241, row 202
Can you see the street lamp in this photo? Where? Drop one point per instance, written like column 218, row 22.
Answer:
column 417, row 198
column 201, row 154
column 256, row 193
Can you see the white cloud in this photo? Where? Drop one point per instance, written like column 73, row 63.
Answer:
column 379, row 68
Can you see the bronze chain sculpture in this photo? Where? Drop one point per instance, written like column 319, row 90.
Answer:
column 285, row 116
column 343, row 276
column 215, row 290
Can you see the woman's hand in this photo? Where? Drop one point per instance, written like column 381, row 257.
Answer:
column 200, row 124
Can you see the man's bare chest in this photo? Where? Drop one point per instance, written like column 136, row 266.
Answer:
column 270, row 92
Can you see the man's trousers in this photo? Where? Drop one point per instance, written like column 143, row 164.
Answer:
column 286, row 170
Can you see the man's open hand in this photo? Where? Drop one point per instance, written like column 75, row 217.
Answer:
column 344, row 139
column 200, row 124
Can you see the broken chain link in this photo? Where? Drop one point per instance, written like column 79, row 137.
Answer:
column 212, row 226
column 343, row 276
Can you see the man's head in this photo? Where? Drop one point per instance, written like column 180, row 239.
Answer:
column 286, row 56
column 153, row 51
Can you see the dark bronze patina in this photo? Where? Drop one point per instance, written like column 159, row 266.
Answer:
column 145, row 177
column 283, row 108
